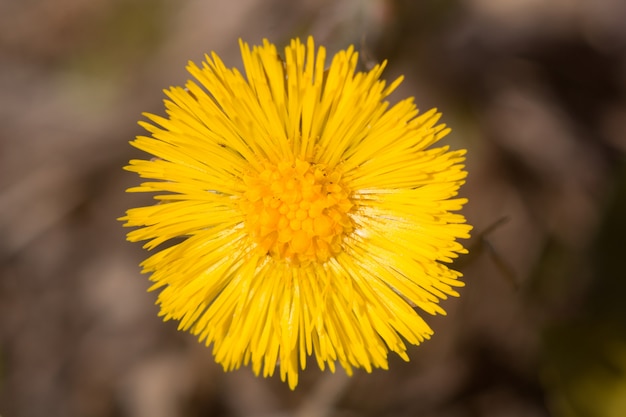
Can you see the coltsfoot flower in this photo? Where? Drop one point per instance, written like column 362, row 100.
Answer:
column 306, row 216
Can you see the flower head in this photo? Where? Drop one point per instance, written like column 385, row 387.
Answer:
column 315, row 218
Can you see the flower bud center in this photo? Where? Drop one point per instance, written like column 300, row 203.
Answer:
column 297, row 211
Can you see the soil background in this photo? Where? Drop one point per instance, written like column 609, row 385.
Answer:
column 535, row 90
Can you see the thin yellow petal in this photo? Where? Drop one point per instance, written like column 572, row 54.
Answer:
column 297, row 213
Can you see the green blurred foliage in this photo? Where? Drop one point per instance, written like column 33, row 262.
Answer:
column 585, row 356
column 122, row 38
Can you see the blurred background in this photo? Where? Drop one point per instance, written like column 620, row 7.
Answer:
column 535, row 90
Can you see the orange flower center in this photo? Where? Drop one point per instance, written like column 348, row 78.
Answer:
column 297, row 211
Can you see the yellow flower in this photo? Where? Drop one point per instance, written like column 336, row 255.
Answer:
column 308, row 216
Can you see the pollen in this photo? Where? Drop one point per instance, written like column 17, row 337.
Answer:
column 297, row 211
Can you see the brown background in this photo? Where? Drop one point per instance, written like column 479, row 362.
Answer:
column 536, row 90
